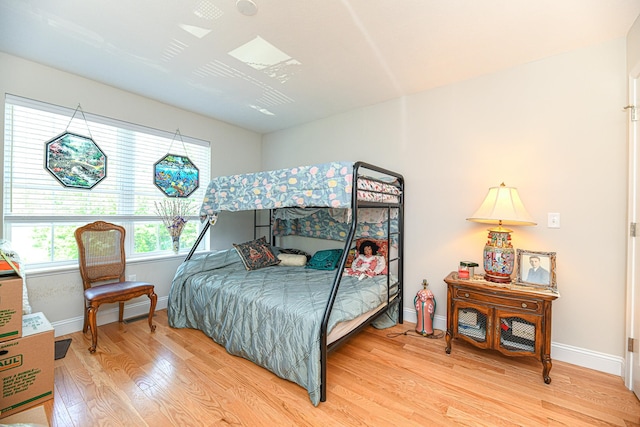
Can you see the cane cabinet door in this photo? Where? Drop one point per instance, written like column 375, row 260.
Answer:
column 472, row 322
column 517, row 333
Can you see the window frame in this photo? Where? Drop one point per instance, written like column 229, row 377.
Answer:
column 125, row 197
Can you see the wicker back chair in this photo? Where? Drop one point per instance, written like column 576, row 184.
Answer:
column 102, row 267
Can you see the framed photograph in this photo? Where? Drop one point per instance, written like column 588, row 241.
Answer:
column 536, row 269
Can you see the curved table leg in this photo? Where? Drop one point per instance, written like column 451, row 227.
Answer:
column 546, row 368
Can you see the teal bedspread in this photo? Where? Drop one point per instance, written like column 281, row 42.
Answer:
column 270, row 316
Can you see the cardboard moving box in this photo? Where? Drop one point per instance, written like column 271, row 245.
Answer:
column 34, row 417
column 10, row 308
column 26, row 366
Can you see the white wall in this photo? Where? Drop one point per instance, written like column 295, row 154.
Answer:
column 633, row 48
column 553, row 128
column 59, row 293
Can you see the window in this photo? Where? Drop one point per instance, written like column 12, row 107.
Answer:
column 41, row 215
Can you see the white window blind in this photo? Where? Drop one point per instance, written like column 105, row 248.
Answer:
column 127, row 194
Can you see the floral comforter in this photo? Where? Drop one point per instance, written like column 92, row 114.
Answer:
column 322, row 185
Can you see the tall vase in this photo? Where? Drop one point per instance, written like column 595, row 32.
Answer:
column 176, row 244
column 425, row 304
column 499, row 256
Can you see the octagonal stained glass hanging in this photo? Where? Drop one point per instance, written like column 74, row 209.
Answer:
column 176, row 175
column 75, row 160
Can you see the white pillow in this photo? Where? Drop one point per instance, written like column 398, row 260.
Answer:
column 292, row 260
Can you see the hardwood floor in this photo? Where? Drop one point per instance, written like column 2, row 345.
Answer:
column 179, row 377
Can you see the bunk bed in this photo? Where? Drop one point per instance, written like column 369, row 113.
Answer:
column 288, row 318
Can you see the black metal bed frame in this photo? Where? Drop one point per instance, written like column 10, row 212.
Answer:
column 393, row 298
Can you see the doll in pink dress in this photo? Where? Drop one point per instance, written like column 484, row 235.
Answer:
column 368, row 263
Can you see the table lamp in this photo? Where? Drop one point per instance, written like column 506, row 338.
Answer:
column 501, row 206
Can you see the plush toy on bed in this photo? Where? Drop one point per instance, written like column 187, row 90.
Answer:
column 368, row 263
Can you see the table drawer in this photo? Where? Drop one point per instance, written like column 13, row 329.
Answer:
column 521, row 304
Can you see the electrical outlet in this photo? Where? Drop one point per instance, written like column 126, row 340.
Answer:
column 553, row 220
column 131, row 277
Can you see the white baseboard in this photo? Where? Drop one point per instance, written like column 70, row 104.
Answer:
column 565, row 353
column 75, row 324
column 588, row 359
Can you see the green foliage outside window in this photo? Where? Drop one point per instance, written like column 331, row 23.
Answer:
column 57, row 243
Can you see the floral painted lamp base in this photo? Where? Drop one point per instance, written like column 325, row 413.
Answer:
column 499, row 256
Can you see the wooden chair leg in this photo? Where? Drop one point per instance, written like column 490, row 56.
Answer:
column 85, row 326
column 154, row 299
column 121, row 312
column 93, row 326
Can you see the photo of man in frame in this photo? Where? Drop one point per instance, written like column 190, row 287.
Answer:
column 538, row 271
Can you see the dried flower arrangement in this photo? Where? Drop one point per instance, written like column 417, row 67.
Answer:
column 174, row 213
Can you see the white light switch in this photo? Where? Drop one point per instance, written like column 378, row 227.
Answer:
column 553, row 220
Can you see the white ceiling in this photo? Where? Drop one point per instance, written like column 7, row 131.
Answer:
column 336, row 55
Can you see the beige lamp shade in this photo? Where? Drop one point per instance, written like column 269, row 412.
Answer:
column 503, row 206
